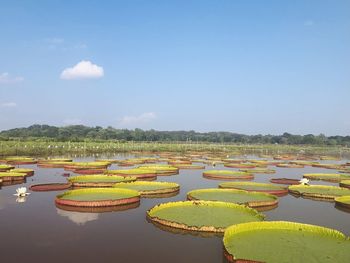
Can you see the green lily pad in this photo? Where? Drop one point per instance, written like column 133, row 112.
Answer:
column 227, row 175
column 258, row 171
column 207, row 216
column 98, row 197
column 99, row 180
column 284, row 242
column 345, row 183
column 140, row 173
column 189, row 166
column 8, row 176
column 252, row 199
column 6, row 167
column 319, row 191
column 343, row 201
column 257, row 187
column 150, row 188
column 327, row 177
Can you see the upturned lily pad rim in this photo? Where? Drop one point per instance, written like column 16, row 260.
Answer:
column 171, row 187
column 274, row 225
column 131, row 196
column 286, row 181
column 273, row 200
column 150, row 214
column 50, row 187
column 104, row 209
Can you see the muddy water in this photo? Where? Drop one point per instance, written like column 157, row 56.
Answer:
column 37, row 231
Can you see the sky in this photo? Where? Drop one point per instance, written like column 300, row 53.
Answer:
column 253, row 67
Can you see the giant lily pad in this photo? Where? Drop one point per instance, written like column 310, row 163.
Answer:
column 6, row 167
column 160, row 169
column 8, row 176
column 27, row 172
column 189, row 166
column 343, row 201
column 319, row 191
column 17, row 160
column 227, row 175
column 206, row 216
column 140, row 174
column 285, row 181
column 285, row 242
column 258, row 171
column 241, row 165
column 345, row 183
column 256, row 187
column 252, row 199
column 150, row 188
column 50, row 187
column 327, row 177
column 98, row 197
column 289, row 165
column 98, row 180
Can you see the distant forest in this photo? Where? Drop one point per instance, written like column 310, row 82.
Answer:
column 84, row 133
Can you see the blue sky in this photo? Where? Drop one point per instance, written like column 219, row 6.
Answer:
column 242, row 66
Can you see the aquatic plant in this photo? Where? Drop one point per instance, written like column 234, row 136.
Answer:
column 150, row 188
column 97, row 197
column 319, row 191
column 256, row 187
column 281, row 241
column 206, row 216
column 251, row 199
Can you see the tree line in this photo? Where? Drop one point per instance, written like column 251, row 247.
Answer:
column 83, row 133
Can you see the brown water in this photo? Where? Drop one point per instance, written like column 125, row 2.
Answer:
column 37, row 231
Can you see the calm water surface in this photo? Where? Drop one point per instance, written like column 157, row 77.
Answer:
column 37, row 231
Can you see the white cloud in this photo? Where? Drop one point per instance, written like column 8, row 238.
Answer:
column 83, row 70
column 309, row 23
column 72, row 121
column 6, row 78
column 9, row 104
column 143, row 118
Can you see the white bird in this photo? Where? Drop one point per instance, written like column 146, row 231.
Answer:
column 304, row 181
column 21, row 192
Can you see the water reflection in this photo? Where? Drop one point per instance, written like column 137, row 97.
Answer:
column 21, row 199
column 78, row 217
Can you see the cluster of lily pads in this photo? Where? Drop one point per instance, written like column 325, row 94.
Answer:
column 233, row 210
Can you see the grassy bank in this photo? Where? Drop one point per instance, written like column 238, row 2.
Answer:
column 32, row 148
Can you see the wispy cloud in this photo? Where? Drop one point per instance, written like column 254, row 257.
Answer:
column 133, row 121
column 309, row 22
column 54, row 40
column 60, row 44
column 83, row 70
column 6, row 78
column 9, row 104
